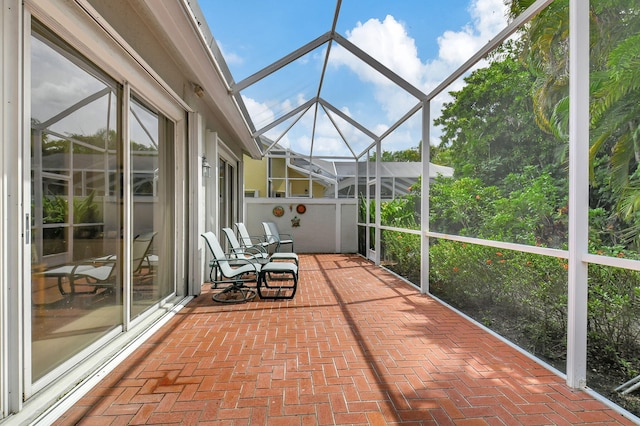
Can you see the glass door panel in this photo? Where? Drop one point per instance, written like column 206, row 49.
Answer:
column 231, row 192
column 226, row 188
column 75, row 148
column 223, row 199
column 151, row 148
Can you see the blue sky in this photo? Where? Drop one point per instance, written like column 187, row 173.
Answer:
column 421, row 40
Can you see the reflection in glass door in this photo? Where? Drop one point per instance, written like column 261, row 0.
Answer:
column 78, row 205
column 223, row 202
column 152, row 168
column 75, row 158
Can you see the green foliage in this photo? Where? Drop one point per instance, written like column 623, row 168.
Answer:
column 404, row 156
column 496, row 286
column 441, row 155
column 362, row 210
column 615, row 86
column 484, row 276
column 531, row 210
column 489, row 128
column 399, row 213
column 403, row 212
column 505, row 133
column 54, row 209
column 520, row 295
column 401, row 253
column 527, row 208
column 85, row 210
column 89, row 144
column 614, row 297
column 83, row 144
column 461, row 206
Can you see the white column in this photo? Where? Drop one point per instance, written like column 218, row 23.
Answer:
column 197, row 206
column 424, row 197
column 211, row 185
column 338, row 225
column 378, row 249
column 578, row 191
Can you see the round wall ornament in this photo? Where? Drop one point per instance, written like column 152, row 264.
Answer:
column 278, row 211
column 301, row 208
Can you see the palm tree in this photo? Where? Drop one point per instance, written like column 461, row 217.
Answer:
column 545, row 51
column 615, row 84
column 615, row 119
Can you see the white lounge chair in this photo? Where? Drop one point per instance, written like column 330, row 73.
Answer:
column 258, row 244
column 233, row 271
column 100, row 272
column 273, row 236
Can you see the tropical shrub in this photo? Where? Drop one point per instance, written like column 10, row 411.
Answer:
column 522, row 296
column 519, row 295
column 54, row 209
column 401, row 253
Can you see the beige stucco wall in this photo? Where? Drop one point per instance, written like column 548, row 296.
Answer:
column 327, row 225
column 255, row 176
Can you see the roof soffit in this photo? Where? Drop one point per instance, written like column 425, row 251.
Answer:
column 194, row 53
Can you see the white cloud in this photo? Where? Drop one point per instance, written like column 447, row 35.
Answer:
column 231, row 58
column 456, row 47
column 488, row 18
column 260, row 112
column 327, row 140
column 60, row 86
column 389, row 42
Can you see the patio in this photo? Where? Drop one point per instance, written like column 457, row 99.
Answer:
column 356, row 345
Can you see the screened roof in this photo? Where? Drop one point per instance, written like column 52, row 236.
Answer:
column 329, row 80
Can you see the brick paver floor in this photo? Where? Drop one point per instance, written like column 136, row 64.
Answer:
column 357, row 345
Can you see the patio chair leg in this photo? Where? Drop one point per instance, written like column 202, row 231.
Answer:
column 62, row 292
column 235, row 293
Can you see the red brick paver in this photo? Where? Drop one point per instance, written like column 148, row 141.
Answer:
column 357, row 345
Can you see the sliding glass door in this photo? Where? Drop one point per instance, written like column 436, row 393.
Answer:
column 151, row 147
column 75, row 213
column 227, row 178
column 102, row 210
